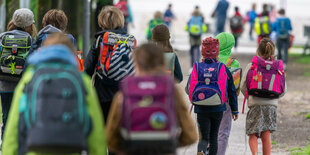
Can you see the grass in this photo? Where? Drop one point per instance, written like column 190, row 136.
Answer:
column 300, row 58
column 308, row 116
column 274, row 142
column 300, row 151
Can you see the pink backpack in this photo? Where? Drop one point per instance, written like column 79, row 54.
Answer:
column 208, row 84
column 265, row 79
column 149, row 122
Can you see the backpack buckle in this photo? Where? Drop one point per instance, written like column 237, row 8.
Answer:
column 14, row 49
column 207, row 81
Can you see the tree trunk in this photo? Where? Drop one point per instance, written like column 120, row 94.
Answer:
column 43, row 6
column 11, row 6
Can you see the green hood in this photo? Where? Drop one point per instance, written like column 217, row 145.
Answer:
column 227, row 42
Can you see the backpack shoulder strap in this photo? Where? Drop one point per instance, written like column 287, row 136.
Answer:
column 229, row 61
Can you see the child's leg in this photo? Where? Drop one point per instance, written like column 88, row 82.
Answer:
column 6, row 99
column 216, row 118
column 204, row 128
column 266, row 142
column 224, row 131
column 253, row 144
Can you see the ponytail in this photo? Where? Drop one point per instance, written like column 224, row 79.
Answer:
column 266, row 49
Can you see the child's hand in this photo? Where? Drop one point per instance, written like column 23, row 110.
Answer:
column 235, row 117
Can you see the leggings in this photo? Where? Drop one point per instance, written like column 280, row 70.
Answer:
column 209, row 124
column 6, row 99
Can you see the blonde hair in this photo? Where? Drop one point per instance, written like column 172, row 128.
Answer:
column 31, row 29
column 111, row 18
column 60, row 38
column 266, row 48
column 56, row 18
column 158, row 15
column 150, row 58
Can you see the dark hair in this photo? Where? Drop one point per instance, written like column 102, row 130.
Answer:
column 170, row 5
column 150, row 58
column 56, row 18
column 282, row 12
column 196, row 7
column 266, row 48
column 236, row 8
column 161, row 36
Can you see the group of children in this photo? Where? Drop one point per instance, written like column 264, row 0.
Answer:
column 126, row 101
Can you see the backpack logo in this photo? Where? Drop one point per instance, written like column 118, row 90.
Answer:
column 158, row 120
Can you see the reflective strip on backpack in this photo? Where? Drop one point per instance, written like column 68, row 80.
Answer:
column 259, row 83
column 272, row 82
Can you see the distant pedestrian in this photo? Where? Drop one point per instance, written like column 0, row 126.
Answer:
column 169, row 16
column 195, row 27
column 283, row 28
column 221, row 13
column 236, row 25
column 124, row 6
column 251, row 15
column 263, row 93
column 158, row 19
column 262, row 24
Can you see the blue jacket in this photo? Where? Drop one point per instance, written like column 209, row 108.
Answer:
column 232, row 97
column 252, row 15
column 42, row 36
column 277, row 25
column 221, row 9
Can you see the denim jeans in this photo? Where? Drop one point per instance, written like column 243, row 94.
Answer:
column 224, row 131
column 282, row 45
column 6, row 99
column 209, row 124
column 195, row 54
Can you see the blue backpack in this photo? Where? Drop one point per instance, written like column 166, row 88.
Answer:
column 283, row 33
column 195, row 25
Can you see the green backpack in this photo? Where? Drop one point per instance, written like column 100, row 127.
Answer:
column 170, row 61
column 13, row 55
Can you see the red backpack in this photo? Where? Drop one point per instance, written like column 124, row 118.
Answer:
column 123, row 7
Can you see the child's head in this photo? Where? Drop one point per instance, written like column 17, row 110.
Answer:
column 236, row 9
column 158, row 15
column 111, row 18
column 210, row 48
column 59, row 38
column 161, row 36
column 23, row 19
column 56, row 18
column 149, row 59
column 282, row 12
column 266, row 48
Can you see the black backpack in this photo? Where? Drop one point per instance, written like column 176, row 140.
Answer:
column 54, row 110
column 236, row 22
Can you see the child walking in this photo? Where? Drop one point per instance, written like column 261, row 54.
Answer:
column 54, row 71
column 209, row 84
column 149, row 78
column 108, row 69
column 18, row 38
column 226, row 42
column 161, row 36
column 262, row 94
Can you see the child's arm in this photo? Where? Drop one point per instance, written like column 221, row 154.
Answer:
column 11, row 134
column 97, row 138
column 91, row 59
column 113, row 125
column 188, row 134
column 232, row 93
column 243, row 85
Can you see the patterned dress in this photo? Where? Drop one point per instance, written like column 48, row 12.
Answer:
column 261, row 118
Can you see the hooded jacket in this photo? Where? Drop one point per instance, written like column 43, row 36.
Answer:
column 42, row 36
column 13, row 137
column 227, row 42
